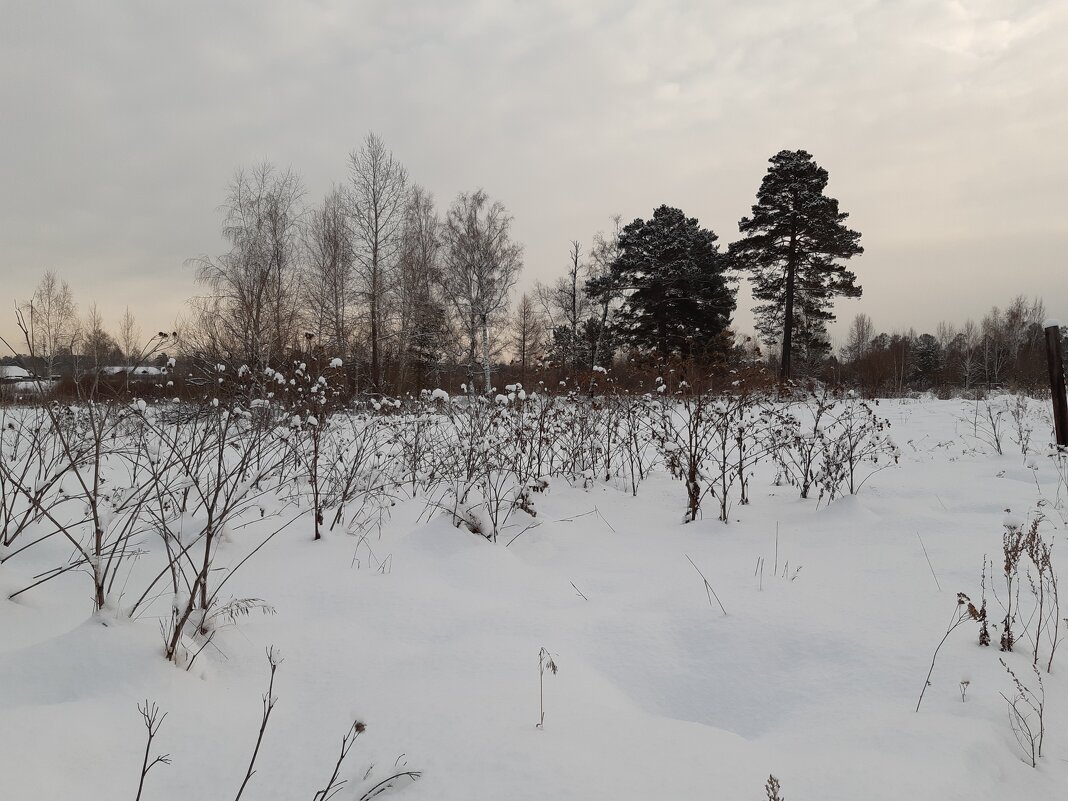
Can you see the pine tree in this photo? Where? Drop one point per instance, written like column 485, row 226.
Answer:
column 928, row 360
column 790, row 247
column 677, row 298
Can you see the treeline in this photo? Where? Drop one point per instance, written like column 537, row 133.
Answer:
column 410, row 297
column 1005, row 349
column 57, row 342
column 373, row 274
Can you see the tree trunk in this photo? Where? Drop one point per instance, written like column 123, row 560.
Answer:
column 788, row 312
column 1055, row 363
column 574, row 306
column 600, row 332
column 486, row 352
column 375, row 357
column 471, row 361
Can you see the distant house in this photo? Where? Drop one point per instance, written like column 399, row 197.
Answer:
column 17, row 381
column 10, row 374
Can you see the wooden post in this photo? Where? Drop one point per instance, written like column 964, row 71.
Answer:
column 1055, row 360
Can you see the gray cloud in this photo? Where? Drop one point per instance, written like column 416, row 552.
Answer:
column 942, row 126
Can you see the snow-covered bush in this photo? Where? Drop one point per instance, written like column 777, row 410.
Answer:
column 712, row 441
column 854, row 446
column 800, row 442
column 986, row 418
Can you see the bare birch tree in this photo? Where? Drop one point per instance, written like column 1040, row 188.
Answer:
column 421, row 318
column 98, row 346
column 53, row 321
column 330, row 289
column 858, row 342
column 966, row 353
column 481, row 265
column 603, row 254
column 129, row 337
column 252, row 311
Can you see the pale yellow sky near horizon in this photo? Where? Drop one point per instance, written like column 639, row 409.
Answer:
column 941, row 123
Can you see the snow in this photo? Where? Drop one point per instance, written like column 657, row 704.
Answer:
column 35, row 387
column 147, row 370
column 431, row 634
column 1012, row 521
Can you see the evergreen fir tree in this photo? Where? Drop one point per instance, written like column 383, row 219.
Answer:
column 677, row 298
column 599, row 340
column 791, row 244
column 562, row 351
column 928, row 360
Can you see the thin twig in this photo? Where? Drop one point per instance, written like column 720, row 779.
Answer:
column 960, row 615
column 708, row 587
column 603, row 518
column 153, row 721
column 776, row 548
column 929, row 561
column 268, row 707
column 333, row 787
column 526, row 528
column 385, row 784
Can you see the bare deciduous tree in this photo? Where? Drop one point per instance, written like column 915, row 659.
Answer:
column 129, row 337
column 380, row 194
column 330, row 290
column 965, row 353
column 98, row 346
column 861, row 333
column 481, row 265
column 603, row 254
column 945, row 333
column 52, row 319
column 565, row 304
column 1004, row 333
column 421, row 321
column 527, row 335
column 252, row 311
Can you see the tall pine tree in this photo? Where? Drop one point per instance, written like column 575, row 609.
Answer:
column 791, row 246
column 673, row 278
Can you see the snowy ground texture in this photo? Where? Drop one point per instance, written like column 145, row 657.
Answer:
column 431, row 635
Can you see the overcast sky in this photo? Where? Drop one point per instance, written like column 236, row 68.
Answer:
column 944, row 126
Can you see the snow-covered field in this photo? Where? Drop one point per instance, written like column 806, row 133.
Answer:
column 432, row 636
